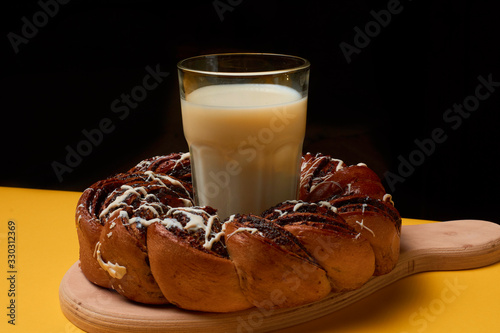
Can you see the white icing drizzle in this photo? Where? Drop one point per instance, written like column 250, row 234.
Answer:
column 362, row 165
column 328, row 205
column 123, row 214
column 305, row 179
column 217, row 236
column 340, row 165
column 208, row 243
column 154, row 207
column 324, row 182
column 146, row 163
column 114, row 270
column 119, row 201
column 281, row 213
column 388, row 198
column 161, row 178
column 187, row 202
column 150, row 197
column 167, row 222
column 361, row 224
column 197, row 222
column 250, row 230
column 150, row 207
column 297, row 206
column 293, row 201
column 183, row 157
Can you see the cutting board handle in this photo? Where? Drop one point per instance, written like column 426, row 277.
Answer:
column 453, row 245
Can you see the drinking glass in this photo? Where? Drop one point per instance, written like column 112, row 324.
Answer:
column 244, row 119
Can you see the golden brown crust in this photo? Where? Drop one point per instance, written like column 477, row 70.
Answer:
column 345, row 254
column 118, row 246
column 323, row 177
column 348, row 259
column 379, row 223
column 192, row 279
column 315, row 178
column 89, row 230
column 274, row 273
column 106, row 236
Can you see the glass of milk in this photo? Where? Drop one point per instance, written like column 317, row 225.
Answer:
column 244, row 119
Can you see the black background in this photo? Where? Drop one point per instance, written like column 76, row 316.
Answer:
column 396, row 89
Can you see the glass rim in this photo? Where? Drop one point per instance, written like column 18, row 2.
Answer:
column 305, row 65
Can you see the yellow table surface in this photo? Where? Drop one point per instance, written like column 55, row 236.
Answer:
column 46, row 246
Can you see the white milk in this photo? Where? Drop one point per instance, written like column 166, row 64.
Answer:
column 246, row 143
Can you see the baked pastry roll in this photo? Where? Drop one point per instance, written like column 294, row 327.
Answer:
column 379, row 222
column 323, row 177
column 345, row 254
column 189, row 259
column 112, row 216
column 274, row 268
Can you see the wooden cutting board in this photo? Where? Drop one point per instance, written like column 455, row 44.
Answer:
column 453, row 245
